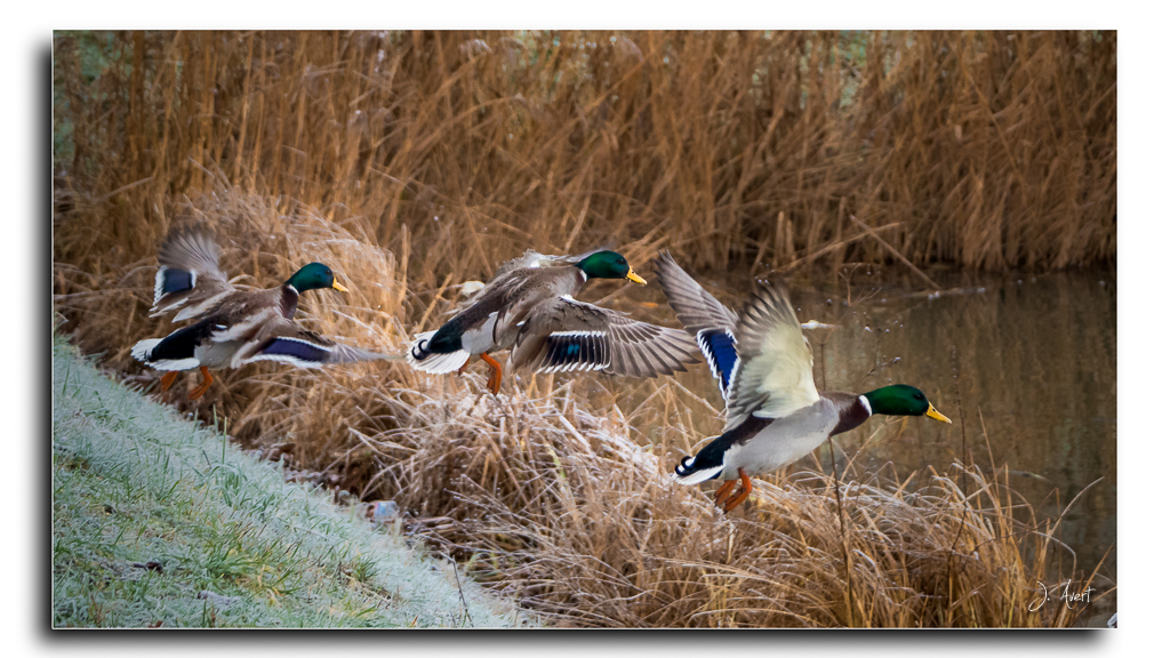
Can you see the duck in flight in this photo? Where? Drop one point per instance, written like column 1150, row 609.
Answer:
column 229, row 327
column 762, row 364
column 529, row 308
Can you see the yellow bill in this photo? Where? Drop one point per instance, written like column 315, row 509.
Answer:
column 635, row 278
column 933, row 413
column 338, row 286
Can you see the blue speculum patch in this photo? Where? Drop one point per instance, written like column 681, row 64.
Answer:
column 579, row 348
column 719, row 348
column 296, row 349
column 176, row 281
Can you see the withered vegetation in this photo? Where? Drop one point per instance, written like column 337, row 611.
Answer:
column 410, row 162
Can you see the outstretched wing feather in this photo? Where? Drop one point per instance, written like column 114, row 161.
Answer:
column 696, row 308
column 606, row 340
column 712, row 323
column 773, row 377
column 188, row 281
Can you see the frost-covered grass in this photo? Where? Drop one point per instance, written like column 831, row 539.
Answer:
column 158, row 521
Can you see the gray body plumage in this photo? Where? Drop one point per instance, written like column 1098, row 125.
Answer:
column 781, row 443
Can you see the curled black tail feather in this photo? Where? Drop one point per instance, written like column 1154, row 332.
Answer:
column 685, row 466
column 419, row 350
column 702, row 467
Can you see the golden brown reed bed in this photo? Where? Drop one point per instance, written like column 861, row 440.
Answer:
column 558, row 492
column 410, row 162
column 987, row 149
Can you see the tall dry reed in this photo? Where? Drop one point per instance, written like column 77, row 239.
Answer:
column 987, row 149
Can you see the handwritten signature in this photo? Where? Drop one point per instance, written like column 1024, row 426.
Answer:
column 1065, row 593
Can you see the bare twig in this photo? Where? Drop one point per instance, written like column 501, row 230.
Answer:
column 833, row 247
column 895, row 252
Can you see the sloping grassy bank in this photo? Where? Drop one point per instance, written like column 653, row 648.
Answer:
column 158, row 522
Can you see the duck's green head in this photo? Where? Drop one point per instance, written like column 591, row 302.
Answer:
column 902, row 400
column 314, row 276
column 608, row 265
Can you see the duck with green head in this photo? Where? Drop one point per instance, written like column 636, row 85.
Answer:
column 529, row 308
column 763, row 366
column 230, row 327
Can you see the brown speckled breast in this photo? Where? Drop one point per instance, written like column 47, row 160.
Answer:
column 288, row 302
column 850, row 409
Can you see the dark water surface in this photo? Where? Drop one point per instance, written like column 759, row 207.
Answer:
column 1025, row 365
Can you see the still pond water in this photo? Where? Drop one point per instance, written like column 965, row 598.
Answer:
column 1024, row 364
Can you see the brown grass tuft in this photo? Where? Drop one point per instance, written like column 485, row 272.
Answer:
column 580, row 521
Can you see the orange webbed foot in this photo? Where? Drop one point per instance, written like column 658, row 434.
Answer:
column 202, row 388
column 723, row 492
column 463, row 367
column 497, row 375
column 743, row 492
column 168, row 378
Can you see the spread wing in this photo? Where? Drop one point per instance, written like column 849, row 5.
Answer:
column 774, row 376
column 563, row 334
column 696, row 308
column 188, row 279
column 283, row 341
column 712, row 323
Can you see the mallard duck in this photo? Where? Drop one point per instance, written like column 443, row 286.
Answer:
column 528, row 307
column 763, row 366
column 231, row 327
